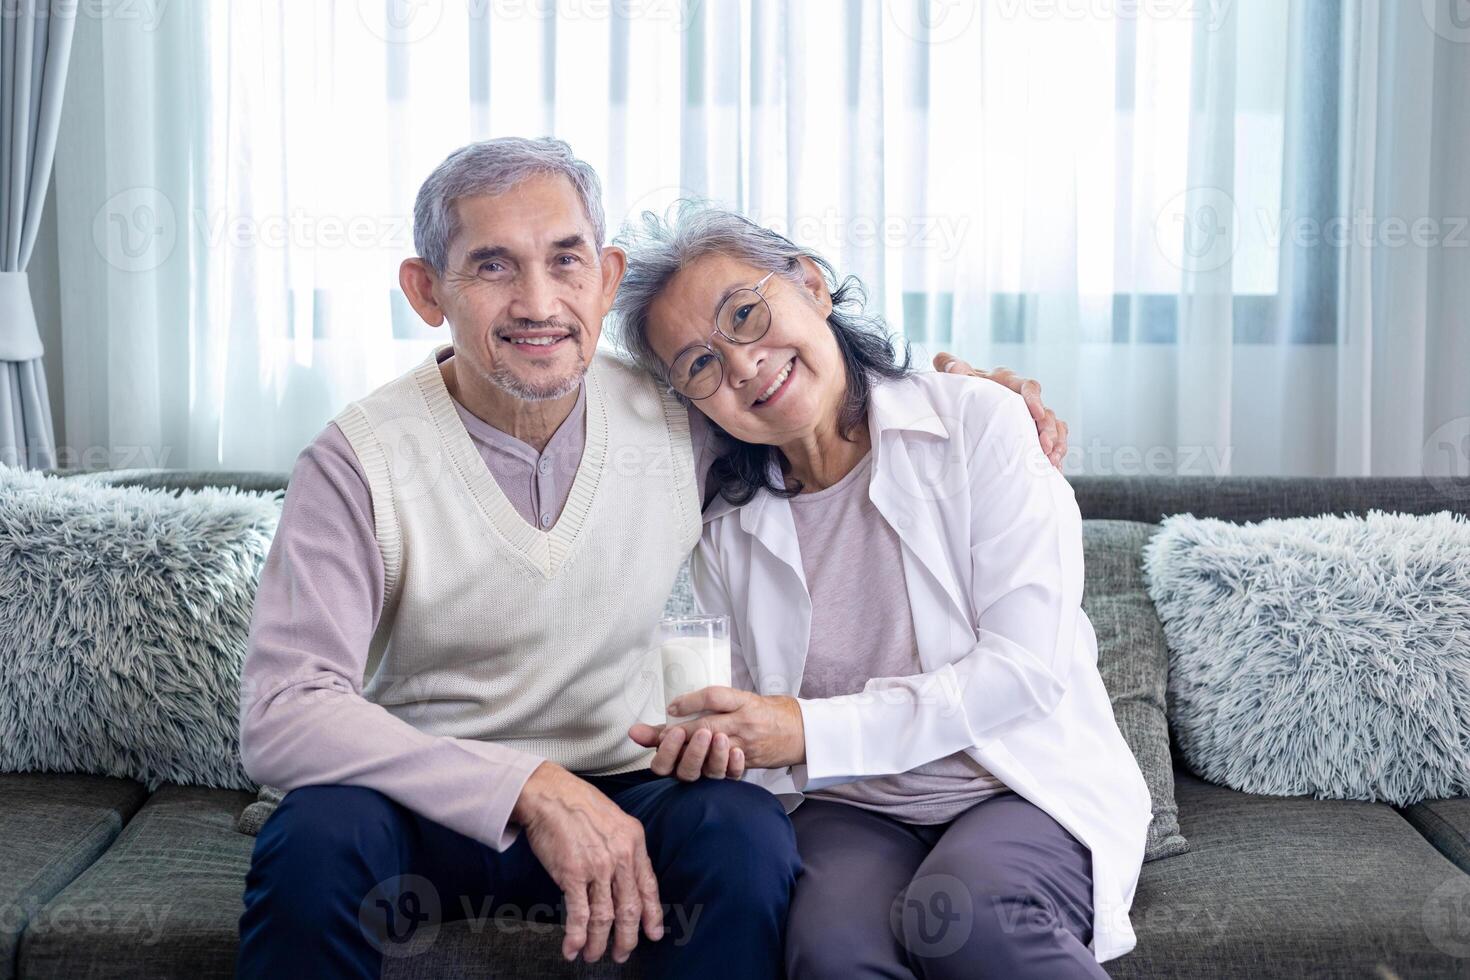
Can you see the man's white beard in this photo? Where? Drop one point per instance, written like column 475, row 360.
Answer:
column 507, row 381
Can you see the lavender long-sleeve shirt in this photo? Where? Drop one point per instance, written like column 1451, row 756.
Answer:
column 305, row 720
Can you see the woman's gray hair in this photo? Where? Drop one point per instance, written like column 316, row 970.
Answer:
column 659, row 247
column 494, row 167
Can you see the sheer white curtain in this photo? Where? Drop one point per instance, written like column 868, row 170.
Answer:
column 1226, row 237
column 1182, row 216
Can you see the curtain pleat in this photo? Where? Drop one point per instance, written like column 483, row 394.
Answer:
column 35, row 44
column 25, row 417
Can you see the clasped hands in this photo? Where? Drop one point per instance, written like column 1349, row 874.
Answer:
column 597, row 854
column 743, row 729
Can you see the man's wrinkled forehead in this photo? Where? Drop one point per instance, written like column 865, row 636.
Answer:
column 539, row 214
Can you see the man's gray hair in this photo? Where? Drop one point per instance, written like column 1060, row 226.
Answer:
column 493, row 167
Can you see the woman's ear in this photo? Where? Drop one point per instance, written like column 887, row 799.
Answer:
column 815, row 284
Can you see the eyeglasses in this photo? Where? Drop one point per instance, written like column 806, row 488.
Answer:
column 743, row 318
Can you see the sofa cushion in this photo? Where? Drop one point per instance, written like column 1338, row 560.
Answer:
column 1271, row 887
column 1134, row 664
column 164, row 901
column 123, row 621
column 52, row 827
column 1258, row 498
column 1326, row 655
column 1295, row 886
column 1446, row 825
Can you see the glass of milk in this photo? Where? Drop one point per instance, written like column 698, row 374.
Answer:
column 694, row 653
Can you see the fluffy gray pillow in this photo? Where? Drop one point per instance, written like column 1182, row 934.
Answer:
column 123, row 620
column 1324, row 655
column 1134, row 663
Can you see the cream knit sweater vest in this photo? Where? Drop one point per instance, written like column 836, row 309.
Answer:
column 496, row 630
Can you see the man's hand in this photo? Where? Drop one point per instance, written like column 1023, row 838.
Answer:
column 1051, row 430
column 596, row 854
column 743, row 729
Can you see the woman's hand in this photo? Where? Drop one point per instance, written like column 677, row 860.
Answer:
column 744, row 729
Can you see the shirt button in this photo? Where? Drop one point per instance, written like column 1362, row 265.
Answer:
column 546, row 520
column 544, row 466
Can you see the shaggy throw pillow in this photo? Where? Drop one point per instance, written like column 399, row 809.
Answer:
column 123, row 621
column 1327, row 655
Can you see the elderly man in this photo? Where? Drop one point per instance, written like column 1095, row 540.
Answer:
column 468, row 564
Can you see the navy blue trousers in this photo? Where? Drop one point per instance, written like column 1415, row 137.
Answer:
column 342, row 876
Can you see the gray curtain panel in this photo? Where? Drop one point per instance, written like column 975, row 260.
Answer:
column 35, row 42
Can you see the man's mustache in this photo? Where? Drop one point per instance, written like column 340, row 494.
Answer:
column 518, row 325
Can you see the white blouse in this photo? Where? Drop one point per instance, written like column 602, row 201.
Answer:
column 992, row 553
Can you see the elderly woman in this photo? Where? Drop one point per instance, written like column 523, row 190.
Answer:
column 902, row 570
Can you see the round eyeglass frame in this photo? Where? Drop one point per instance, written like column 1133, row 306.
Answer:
column 705, row 346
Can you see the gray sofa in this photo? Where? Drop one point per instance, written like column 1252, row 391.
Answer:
column 99, row 878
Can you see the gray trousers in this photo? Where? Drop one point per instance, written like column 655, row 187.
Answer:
column 1002, row 891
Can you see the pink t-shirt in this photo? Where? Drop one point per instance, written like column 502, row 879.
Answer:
column 863, row 627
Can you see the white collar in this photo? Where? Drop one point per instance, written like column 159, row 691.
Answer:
column 892, row 406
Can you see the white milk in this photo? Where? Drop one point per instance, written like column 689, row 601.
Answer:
column 691, row 663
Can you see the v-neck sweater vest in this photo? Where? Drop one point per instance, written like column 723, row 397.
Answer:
column 496, row 630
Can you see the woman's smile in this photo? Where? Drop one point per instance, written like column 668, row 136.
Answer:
column 778, row 386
